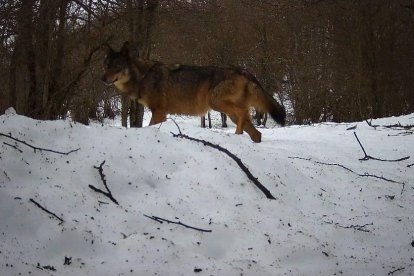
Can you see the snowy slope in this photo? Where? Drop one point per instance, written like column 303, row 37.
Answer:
column 326, row 220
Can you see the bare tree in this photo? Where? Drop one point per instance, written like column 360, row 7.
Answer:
column 326, row 60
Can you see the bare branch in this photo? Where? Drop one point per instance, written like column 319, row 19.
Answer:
column 352, row 226
column 396, row 270
column 368, row 157
column 103, row 178
column 13, row 146
column 86, row 62
column 37, row 148
column 393, row 126
column 6, row 175
column 46, row 210
column 86, row 8
column 161, row 220
column 349, row 170
column 235, row 158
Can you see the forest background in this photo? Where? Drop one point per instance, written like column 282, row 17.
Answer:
column 325, row 60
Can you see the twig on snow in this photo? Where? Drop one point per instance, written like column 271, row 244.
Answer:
column 352, row 226
column 404, row 133
column 13, row 146
column 178, row 127
column 46, row 210
column 47, row 267
column 352, row 127
column 161, row 220
column 368, row 157
column 36, row 148
column 393, row 126
column 108, row 192
column 396, row 270
column 352, row 171
column 6, row 175
column 243, row 167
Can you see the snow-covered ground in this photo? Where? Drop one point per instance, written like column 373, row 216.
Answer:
column 326, row 220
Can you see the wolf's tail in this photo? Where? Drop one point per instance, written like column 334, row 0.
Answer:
column 263, row 101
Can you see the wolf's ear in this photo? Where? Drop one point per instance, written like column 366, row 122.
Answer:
column 125, row 49
column 107, row 48
column 129, row 50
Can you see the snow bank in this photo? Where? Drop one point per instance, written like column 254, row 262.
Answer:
column 326, row 219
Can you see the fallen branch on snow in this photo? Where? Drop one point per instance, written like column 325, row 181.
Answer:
column 108, row 192
column 243, row 167
column 47, row 267
column 352, row 226
column 13, row 146
column 404, row 133
column 161, row 220
column 394, row 126
column 6, row 175
column 37, row 148
column 396, row 270
column 348, row 169
column 368, row 157
column 46, row 210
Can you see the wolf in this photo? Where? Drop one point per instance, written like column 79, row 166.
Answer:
column 190, row 90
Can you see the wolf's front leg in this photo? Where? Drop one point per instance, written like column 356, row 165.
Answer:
column 157, row 117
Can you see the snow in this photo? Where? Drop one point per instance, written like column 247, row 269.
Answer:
column 310, row 229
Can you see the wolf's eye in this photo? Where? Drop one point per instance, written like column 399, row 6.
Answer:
column 106, row 64
column 118, row 64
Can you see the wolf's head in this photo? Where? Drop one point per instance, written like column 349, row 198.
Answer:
column 116, row 65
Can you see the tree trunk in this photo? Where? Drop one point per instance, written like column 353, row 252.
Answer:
column 51, row 104
column 23, row 64
column 124, row 110
column 45, row 27
column 141, row 19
